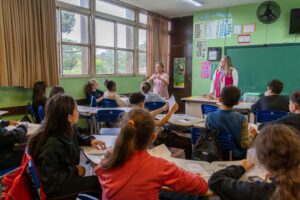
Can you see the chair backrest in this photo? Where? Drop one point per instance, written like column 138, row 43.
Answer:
column 108, row 115
column 154, row 105
column 36, row 116
column 41, row 114
column 109, row 103
column 92, row 101
column 269, row 115
column 207, row 108
column 31, row 111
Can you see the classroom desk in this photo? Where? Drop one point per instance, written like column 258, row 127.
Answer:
column 87, row 111
column 193, row 106
column 182, row 120
column 3, row 112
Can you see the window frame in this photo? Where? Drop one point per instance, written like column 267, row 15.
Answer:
column 93, row 15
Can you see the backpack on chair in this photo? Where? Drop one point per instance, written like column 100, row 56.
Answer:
column 24, row 183
column 207, row 147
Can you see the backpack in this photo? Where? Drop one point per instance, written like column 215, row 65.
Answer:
column 207, row 147
column 23, row 183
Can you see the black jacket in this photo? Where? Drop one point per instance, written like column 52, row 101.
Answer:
column 292, row 120
column 225, row 184
column 273, row 102
column 8, row 139
column 58, row 159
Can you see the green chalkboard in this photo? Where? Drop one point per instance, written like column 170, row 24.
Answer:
column 257, row 65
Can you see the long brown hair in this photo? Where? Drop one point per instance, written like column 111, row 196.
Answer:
column 278, row 149
column 39, row 94
column 228, row 64
column 137, row 128
column 56, row 123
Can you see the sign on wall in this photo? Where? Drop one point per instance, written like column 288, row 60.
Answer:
column 179, row 72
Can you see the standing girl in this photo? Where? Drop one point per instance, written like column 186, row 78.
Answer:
column 160, row 81
column 130, row 172
column 55, row 150
column 225, row 75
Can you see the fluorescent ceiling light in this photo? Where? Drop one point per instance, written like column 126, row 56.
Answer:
column 194, row 2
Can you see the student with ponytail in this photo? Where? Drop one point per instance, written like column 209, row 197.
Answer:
column 112, row 94
column 130, row 172
column 278, row 150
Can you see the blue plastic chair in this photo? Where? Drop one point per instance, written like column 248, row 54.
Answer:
column 207, row 108
column 108, row 116
column 109, row 103
column 92, row 101
column 154, row 105
column 41, row 113
column 37, row 117
column 269, row 115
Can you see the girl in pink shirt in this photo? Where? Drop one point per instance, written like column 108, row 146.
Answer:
column 130, row 172
column 160, row 81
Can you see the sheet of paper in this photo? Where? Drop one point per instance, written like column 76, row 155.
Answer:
column 97, row 152
column 172, row 102
column 196, row 168
column 160, row 151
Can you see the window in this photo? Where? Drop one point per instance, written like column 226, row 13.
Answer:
column 142, row 66
column 114, row 44
column 114, row 10
column 143, row 18
column 75, row 43
column 81, row 3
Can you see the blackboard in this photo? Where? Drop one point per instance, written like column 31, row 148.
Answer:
column 258, row 64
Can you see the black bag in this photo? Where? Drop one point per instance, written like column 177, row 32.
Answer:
column 207, row 147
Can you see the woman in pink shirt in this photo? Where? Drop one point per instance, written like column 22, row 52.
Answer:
column 160, row 81
column 224, row 76
column 130, row 172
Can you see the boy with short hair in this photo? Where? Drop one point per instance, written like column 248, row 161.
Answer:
column 272, row 100
column 226, row 119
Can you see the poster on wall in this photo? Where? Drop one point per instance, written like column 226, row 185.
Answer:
column 237, row 29
column 211, row 28
column 244, row 39
column 249, row 28
column 205, row 70
column 179, row 72
column 225, row 28
column 201, row 48
column 199, row 28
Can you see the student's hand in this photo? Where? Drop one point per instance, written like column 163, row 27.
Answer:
column 98, row 144
column 252, row 131
column 81, row 170
column 99, row 99
column 247, row 165
column 166, row 106
column 211, row 95
column 13, row 123
column 267, row 176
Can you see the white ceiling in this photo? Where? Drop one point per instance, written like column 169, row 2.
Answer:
column 179, row 8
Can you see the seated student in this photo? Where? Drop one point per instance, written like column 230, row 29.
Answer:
column 273, row 100
column 111, row 93
column 91, row 89
column 130, row 172
column 39, row 98
column 228, row 120
column 170, row 139
column 8, row 156
column 56, row 90
column 293, row 119
column 150, row 96
column 55, row 150
column 278, row 150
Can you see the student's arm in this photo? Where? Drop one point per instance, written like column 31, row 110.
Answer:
column 119, row 101
column 226, row 185
column 246, row 142
column 212, row 87
column 235, row 77
column 166, row 118
column 160, row 110
column 256, row 107
column 165, row 79
column 9, row 138
column 83, row 139
column 151, row 78
column 3, row 123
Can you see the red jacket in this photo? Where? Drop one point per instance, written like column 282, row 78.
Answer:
column 142, row 177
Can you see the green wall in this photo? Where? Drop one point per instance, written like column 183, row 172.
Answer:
column 17, row 96
column 277, row 32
